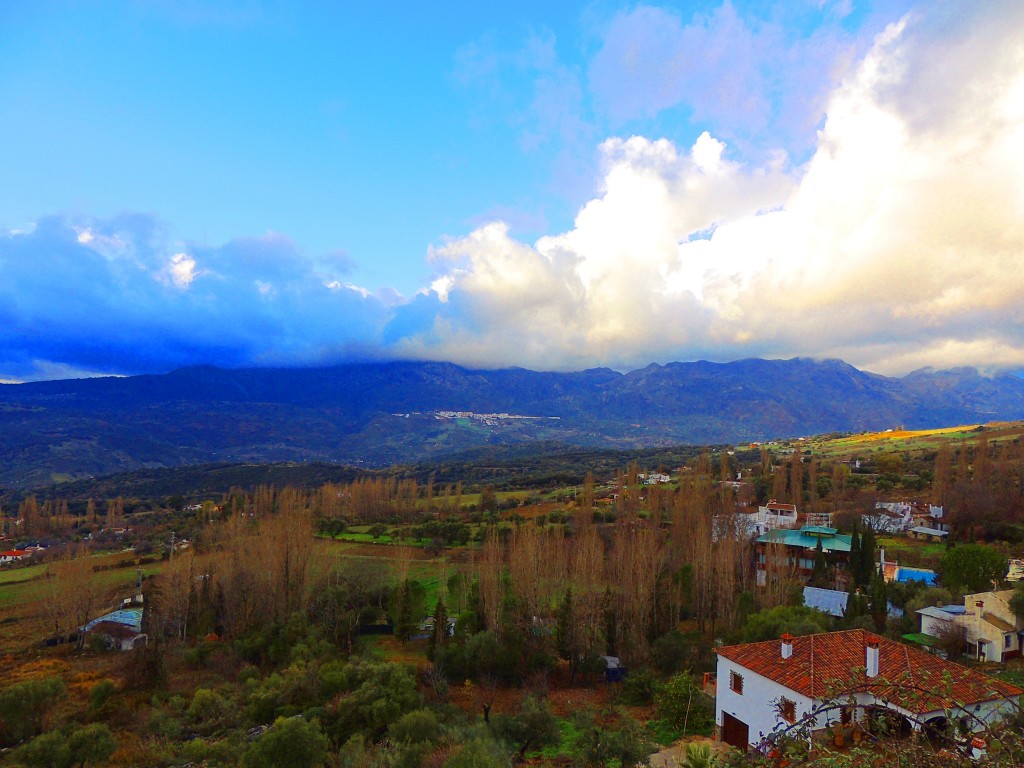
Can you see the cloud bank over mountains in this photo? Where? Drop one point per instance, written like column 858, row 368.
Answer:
column 898, row 244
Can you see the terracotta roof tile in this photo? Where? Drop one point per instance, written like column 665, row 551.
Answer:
column 832, row 662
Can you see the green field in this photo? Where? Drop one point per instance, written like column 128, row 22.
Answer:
column 27, row 585
column 911, row 551
column 430, row 572
column 909, row 440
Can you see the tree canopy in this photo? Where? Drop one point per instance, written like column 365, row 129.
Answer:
column 794, row 619
column 972, row 567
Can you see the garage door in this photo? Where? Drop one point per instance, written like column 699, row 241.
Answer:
column 735, row 732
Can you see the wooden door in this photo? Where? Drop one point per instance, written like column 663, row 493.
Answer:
column 735, row 732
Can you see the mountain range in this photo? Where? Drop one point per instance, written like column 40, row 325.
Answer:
column 376, row 414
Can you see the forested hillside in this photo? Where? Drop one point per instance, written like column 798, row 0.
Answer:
column 374, row 415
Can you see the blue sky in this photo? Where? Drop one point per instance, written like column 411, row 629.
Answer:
column 612, row 184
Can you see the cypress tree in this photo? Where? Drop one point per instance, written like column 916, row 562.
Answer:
column 879, row 602
column 567, row 641
column 819, row 576
column 403, row 617
column 854, row 564
column 439, row 636
column 867, row 558
column 611, row 624
column 856, row 604
column 565, row 633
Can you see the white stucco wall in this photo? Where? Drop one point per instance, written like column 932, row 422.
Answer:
column 933, row 626
column 757, row 706
column 980, row 715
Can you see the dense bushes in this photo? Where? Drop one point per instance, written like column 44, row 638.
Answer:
column 88, row 745
column 23, row 708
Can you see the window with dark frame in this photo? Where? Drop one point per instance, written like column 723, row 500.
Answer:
column 846, row 715
column 736, row 683
column 788, row 710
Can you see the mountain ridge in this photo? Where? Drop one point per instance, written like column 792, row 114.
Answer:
column 379, row 413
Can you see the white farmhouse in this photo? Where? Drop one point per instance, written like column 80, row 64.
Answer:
column 847, row 678
column 14, row 555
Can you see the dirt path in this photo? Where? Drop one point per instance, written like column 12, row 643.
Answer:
column 672, row 756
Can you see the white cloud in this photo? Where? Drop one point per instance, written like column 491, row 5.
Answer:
column 757, row 78
column 127, row 301
column 179, row 271
column 707, row 153
column 899, row 244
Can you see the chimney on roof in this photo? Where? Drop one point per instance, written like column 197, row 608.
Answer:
column 787, row 645
column 871, row 648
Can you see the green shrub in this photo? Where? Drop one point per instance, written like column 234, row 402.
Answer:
column 670, row 652
column 91, row 744
column 290, row 743
column 222, row 752
column 595, row 746
column 50, row 750
column 682, row 703
column 416, row 727
column 480, row 752
column 378, row 695
column 23, row 707
column 210, row 712
column 164, row 724
column 197, row 655
column 99, row 696
column 638, row 688
column 264, row 699
column 534, row 726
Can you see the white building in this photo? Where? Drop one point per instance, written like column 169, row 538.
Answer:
column 14, row 555
column 777, row 515
column 991, row 629
column 771, row 516
column 842, row 679
column 889, row 517
column 901, row 516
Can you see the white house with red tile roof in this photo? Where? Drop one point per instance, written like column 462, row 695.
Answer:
column 13, row 555
column 775, row 514
column 841, row 677
column 768, row 517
